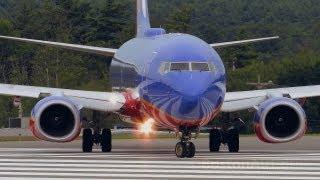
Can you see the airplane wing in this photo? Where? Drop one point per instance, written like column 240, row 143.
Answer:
column 236, row 43
column 89, row 49
column 102, row 101
column 237, row 101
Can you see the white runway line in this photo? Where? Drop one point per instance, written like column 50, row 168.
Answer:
column 34, row 178
column 166, row 171
column 184, row 176
column 166, row 156
column 157, row 155
column 169, row 162
column 77, row 150
column 153, row 166
column 68, row 165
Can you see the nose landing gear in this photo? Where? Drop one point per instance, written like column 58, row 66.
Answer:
column 185, row 148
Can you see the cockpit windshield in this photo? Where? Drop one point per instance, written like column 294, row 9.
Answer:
column 200, row 67
column 186, row 66
column 179, row 67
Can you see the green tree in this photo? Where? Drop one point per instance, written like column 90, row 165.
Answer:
column 180, row 20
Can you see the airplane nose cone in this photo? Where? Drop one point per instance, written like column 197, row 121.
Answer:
column 190, row 85
column 189, row 92
column 186, row 97
column 188, row 104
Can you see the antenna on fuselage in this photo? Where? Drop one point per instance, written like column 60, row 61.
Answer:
column 143, row 21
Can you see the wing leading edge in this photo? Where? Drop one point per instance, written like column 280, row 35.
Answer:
column 237, row 101
column 237, row 43
column 82, row 48
column 101, row 101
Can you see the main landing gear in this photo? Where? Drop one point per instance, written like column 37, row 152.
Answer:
column 185, row 148
column 229, row 137
column 102, row 138
column 228, row 134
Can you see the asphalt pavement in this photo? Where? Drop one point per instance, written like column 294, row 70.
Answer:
column 155, row 159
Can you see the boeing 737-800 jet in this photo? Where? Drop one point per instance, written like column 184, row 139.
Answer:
column 173, row 81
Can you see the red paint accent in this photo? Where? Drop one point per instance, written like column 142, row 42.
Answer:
column 34, row 133
column 161, row 117
column 140, row 110
column 32, row 128
column 258, row 132
column 131, row 107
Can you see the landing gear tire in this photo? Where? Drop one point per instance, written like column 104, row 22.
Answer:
column 214, row 140
column 106, row 140
column 191, row 150
column 87, row 140
column 233, row 140
column 181, row 150
column 185, row 150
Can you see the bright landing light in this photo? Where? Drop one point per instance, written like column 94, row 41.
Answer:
column 146, row 127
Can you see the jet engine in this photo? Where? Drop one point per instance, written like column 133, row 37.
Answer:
column 55, row 119
column 280, row 120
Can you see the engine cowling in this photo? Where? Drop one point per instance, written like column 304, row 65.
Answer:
column 280, row 120
column 55, row 119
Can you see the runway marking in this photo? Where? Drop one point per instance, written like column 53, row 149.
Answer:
column 19, row 165
column 184, row 176
column 116, row 154
column 99, row 166
column 166, row 156
column 189, row 176
column 42, row 178
column 76, row 150
column 168, row 162
column 166, row 171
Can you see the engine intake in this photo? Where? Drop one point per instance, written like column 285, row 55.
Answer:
column 56, row 119
column 280, row 120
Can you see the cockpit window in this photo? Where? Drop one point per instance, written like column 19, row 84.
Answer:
column 200, row 67
column 180, row 67
column 167, row 67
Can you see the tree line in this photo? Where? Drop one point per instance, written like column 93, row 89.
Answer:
column 291, row 61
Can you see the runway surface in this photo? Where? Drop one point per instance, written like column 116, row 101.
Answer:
column 154, row 159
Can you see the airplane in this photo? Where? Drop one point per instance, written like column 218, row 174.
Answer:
column 171, row 81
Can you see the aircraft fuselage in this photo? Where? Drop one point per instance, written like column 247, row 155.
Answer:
column 180, row 79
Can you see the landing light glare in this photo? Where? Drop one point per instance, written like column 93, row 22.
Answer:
column 146, row 127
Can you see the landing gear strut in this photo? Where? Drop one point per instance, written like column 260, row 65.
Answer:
column 228, row 134
column 229, row 137
column 103, row 139
column 185, row 148
column 87, row 140
column 96, row 135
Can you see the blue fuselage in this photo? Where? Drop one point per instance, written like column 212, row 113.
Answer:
column 173, row 98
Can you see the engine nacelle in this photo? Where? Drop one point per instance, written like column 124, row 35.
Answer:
column 55, row 119
column 280, row 120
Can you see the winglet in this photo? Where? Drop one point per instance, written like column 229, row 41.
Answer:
column 143, row 21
